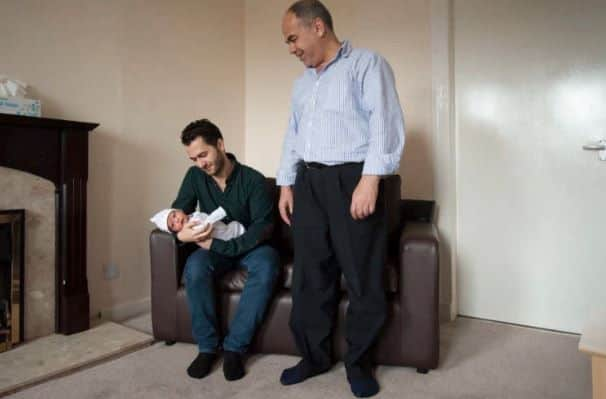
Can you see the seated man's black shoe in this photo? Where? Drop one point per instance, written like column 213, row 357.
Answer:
column 233, row 365
column 363, row 387
column 201, row 365
column 299, row 373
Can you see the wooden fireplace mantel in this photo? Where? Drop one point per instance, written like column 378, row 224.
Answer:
column 57, row 150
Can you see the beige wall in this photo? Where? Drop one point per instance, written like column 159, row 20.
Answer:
column 142, row 69
column 399, row 30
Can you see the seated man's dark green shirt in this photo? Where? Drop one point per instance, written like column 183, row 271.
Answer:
column 245, row 200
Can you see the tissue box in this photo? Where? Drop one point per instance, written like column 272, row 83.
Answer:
column 20, row 106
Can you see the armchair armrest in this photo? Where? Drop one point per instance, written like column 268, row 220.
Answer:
column 419, row 293
column 164, row 254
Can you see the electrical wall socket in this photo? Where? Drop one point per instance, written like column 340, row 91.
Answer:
column 111, row 271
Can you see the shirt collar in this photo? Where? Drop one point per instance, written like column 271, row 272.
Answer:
column 236, row 168
column 344, row 51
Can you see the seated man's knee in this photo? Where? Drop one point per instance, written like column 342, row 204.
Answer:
column 266, row 265
column 198, row 267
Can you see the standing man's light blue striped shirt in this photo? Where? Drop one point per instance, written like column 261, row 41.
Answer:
column 348, row 112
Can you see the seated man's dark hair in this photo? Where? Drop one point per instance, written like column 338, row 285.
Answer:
column 308, row 10
column 204, row 128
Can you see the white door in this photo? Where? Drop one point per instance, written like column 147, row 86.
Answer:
column 530, row 90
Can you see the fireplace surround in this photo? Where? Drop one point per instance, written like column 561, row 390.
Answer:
column 57, row 150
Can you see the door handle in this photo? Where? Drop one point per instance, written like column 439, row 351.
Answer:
column 599, row 146
column 595, row 146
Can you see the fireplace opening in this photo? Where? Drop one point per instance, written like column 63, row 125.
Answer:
column 12, row 225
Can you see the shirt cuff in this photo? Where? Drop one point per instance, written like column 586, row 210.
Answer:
column 380, row 166
column 286, row 179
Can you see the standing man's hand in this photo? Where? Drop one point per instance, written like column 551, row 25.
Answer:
column 189, row 234
column 286, row 203
column 364, row 197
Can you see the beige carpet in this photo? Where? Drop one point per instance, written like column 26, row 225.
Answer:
column 57, row 354
column 480, row 360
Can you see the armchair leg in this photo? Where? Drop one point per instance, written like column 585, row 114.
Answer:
column 422, row 371
column 170, row 343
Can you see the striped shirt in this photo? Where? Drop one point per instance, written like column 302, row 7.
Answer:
column 348, row 112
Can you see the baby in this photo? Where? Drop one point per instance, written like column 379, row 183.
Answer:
column 173, row 220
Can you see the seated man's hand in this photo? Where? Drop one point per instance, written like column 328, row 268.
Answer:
column 189, row 234
column 364, row 197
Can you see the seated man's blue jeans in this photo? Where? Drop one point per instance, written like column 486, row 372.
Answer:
column 200, row 270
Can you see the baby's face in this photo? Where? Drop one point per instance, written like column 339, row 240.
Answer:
column 176, row 220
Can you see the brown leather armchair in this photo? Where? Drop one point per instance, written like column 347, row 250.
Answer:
column 410, row 336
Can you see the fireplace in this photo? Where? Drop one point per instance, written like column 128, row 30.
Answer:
column 57, row 150
column 12, row 224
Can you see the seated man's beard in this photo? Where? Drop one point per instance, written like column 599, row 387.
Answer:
column 219, row 165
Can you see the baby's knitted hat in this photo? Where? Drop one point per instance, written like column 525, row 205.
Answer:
column 160, row 219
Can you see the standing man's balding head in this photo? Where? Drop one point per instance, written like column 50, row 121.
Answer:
column 308, row 10
column 308, row 31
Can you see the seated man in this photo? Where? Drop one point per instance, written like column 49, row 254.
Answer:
column 219, row 180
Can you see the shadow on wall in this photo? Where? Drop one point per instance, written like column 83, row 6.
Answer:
column 416, row 166
column 445, row 270
column 101, row 191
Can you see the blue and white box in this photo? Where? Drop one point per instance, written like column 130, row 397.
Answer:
column 20, row 106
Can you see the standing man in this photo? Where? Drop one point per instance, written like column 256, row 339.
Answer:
column 346, row 130
column 218, row 179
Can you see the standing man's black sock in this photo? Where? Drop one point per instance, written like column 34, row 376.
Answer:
column 299, row 373
column 363, row 387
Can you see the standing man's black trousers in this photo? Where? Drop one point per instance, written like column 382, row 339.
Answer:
column 329, row 241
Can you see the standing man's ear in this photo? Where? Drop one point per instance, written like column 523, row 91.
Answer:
column 319, row 27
